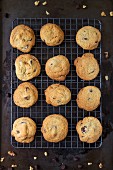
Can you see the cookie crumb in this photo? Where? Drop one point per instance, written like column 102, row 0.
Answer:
column 103, row 14
column 30, row 168
column 47, row 13
column 84, row 6
column 80, row 166
column 106, row 78
column 36, row 3
column 35, row 157
column 100, row 165
column 106, row 54
column 111, row 13
column 45, row 153
column 13, row 166
column 2, row 159
column 44, row 3
column 90, row 163
column 11, row 153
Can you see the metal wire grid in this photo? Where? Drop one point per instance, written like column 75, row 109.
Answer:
column 41, row 109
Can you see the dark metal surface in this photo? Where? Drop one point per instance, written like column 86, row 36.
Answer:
column 59, row 9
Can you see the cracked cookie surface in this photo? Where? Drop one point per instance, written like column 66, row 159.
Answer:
column 57, row 67
column 27, row 67
column 51, row 34
column 24, row 129
column 89, row 129
column 88, row 98
column 23, row 38
column 87, row 67
column 25, row 95
column 57, row 95
column 88, row 37
column 54, row 128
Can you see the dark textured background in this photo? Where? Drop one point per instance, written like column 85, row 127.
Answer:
column 11, row 9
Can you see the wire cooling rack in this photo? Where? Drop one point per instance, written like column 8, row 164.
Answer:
column 41, row 109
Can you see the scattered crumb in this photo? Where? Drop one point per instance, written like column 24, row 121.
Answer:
column 35, row 157
column 106, row 78
column 100, row 165
column 30, row 168
column 45, row 153
column 103, row 14
column 36, row 3
column 13, row 166
column 111, row 13
column 44, row 3
column 11, row 153
column 106, row 54
column 90, row 163
column 2, row 159
column 84, row 6
column 47, row 13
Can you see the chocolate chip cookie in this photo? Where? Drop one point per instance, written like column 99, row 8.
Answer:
column 23, row 38
column 89, row 129
column 57, row 67
column 88, row 98
column 87, row 67
column 54, row 128
column 25, row 95
column 88, row 37
column 27, row 67
column 57, row 95
column 24, row 130
column 51, row 34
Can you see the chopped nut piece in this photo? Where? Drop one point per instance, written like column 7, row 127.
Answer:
column 36, row 3
column 84, row 6
column 2, row 159
column 103, row 14
column 106, row 77
column 13, row 166
column 111, row 13
column 106, row 54
column 47, row 13
column 90, row 163
column 11, row 153
column 30, row 168
column 44, row 3
column 100, row 165
column 45, row 153
column 35, row 157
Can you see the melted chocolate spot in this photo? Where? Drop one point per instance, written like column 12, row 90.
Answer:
column 83, row 129
column 91, row 90
column 85, row 38
column 18, row 131
column 27, row 97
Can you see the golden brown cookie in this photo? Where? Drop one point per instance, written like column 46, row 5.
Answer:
column 24, row 129
column 88, row 37
column 54, row 128
column 57, row 95
column 25, row 95
column 27, row 67
column 57, row 67
column 23, row 38
column 88, row 98
column 89, row 129
column 87, row 67
column 51, row 34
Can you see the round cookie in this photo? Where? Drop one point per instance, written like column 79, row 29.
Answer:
column 51, row 34
column 25, row 95
column 88, row 37
column 54, row 128
column 57, row 67
column 88, row 98
column 27, row 67
column 24, row 129
column 57, row 95
column 89, row 129
column 23, row 38
column 87, row 67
